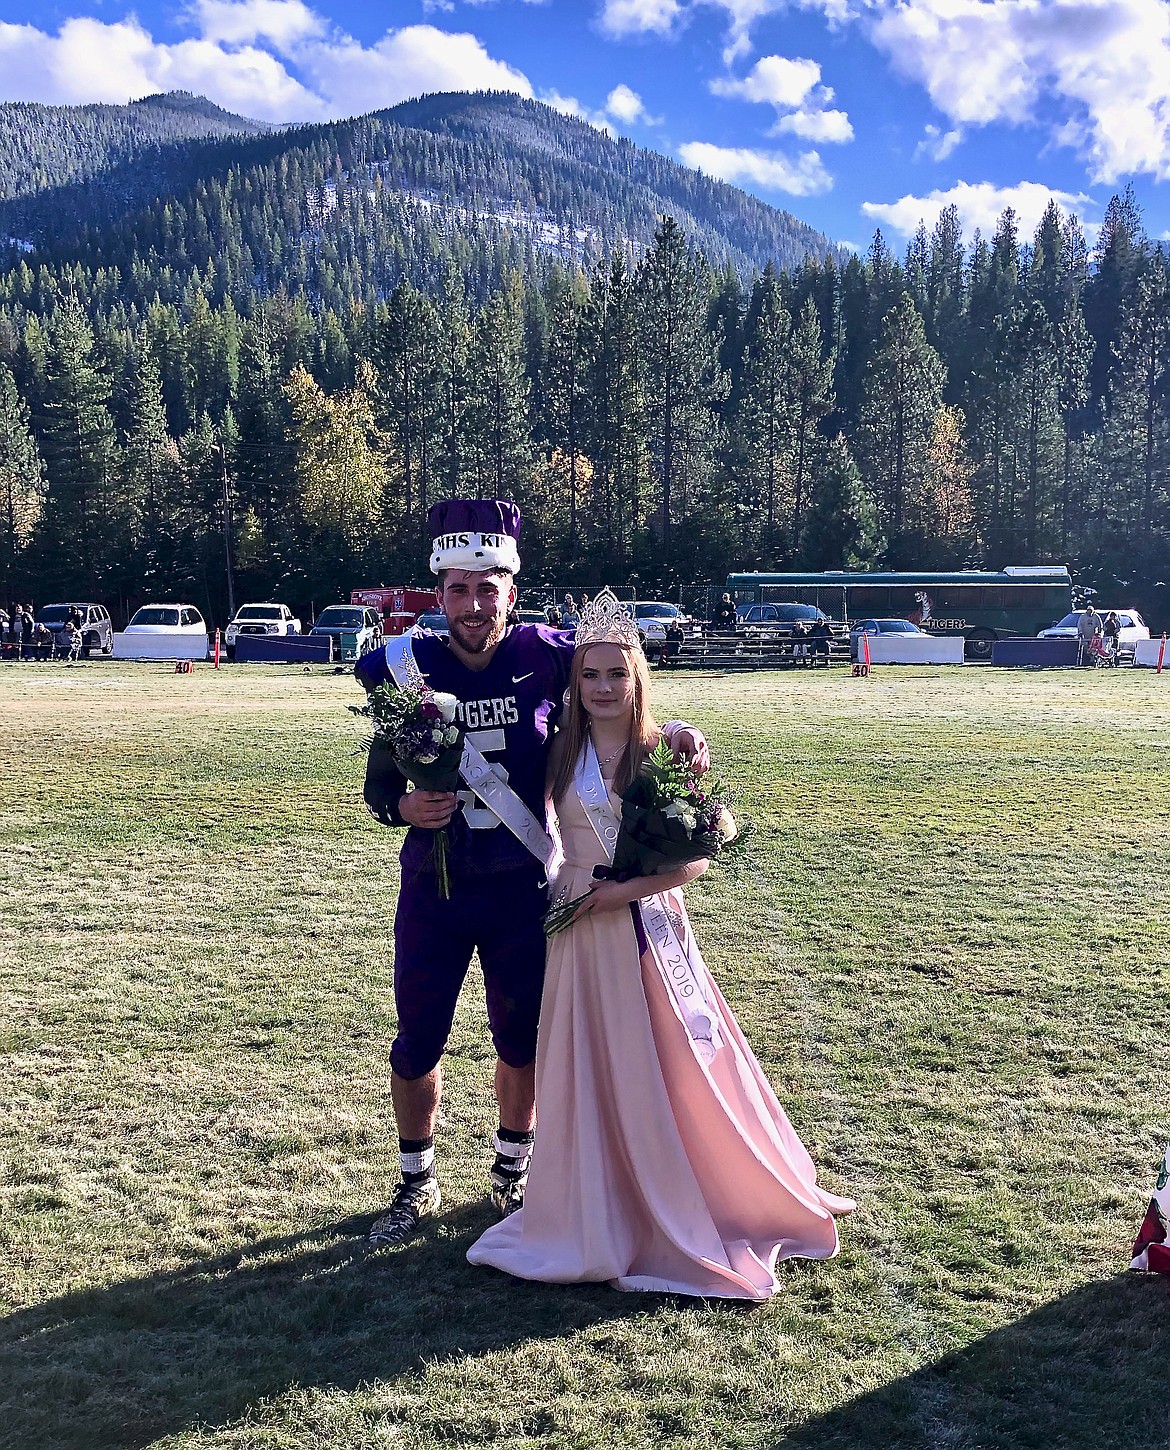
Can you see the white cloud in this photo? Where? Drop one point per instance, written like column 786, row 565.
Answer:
column 804, row 176
column 1102, row 65
column 408, row 62
column 639, row 17
column 794, row 88
column 773, row 78
column 623, row 104
column 571, row 106
column 937, row 143
column 742, row 15
column 283, row 23
column 979, row 205
column 831, row 126
column 88, row 60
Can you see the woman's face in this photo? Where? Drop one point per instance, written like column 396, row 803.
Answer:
column 607, row 683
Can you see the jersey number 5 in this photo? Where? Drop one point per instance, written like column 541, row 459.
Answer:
column 487, row 742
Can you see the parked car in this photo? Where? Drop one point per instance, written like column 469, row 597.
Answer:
column 652, row 617
column 529, row 616
column 354, row 629
column 265, row 619
column 434, row 620
column 167, row 619
column 778, row 621
column 1133, row 628
column 97, row 630
column 877, row 626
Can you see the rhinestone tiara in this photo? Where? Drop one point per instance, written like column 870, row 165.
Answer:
column 604, row 620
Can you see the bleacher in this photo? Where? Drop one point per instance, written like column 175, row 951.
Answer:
column 710, row 649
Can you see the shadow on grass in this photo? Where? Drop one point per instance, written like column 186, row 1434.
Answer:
column 126, row 1364
column 1085, row 1372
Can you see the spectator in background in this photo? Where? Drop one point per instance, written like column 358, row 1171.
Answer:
column 724, row 617
column 672, row 643
column 26, row 632
column 15, row 620
column 69, row 640
column 570, row 619
column 820, row 634
column 42, row 642
column 1111, row 632
column 1089, row 628
column 553, row 615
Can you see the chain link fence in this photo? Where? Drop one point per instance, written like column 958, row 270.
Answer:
column 696, row 600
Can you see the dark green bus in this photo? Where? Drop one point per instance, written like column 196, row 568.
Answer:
column 982, row 606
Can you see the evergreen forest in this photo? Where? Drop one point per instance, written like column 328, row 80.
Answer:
column 272, row 350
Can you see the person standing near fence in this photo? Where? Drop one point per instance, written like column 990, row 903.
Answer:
column 724, row 617
column 820, row 634
column 1089, row 628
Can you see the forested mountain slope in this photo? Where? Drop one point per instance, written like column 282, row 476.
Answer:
column 489, row 183
column 42, row 147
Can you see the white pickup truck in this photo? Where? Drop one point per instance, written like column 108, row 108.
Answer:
column 266, row 619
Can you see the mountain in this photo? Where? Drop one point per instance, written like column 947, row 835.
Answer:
column 487, row 183
column 44, row 147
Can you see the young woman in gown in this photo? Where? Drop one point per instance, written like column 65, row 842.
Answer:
column 663, row 1160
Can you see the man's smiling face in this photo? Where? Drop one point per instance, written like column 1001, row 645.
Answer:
column 477, row 607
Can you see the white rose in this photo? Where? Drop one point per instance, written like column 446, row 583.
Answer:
column 725, row 826
column 447, row 705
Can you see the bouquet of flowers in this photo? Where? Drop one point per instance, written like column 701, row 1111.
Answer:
column 670, row 815
column 417, row 727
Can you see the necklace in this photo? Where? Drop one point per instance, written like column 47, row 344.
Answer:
column 613, row 755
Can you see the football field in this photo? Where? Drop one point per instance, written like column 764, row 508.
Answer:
column 951, row 956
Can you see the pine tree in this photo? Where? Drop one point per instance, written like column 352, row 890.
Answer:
column 566, row 373
column 683, row 380
column 841, row 528
column 810, row 375
column 903, row 393
column 152, row 476
column 1034, row 343
column 1122, row 250
column 21, row 490
column 454, row 387
column 1138, row 426
column 763, row 424
column 616, row 425
column 498, row 439
column 406, row 355
column 89, row 523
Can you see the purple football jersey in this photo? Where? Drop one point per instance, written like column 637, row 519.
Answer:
column 509, row 710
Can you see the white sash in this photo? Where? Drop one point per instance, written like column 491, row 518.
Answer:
column 671, row 942
column 477, row 772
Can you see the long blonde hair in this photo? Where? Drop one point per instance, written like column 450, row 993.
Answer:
column 644, row 731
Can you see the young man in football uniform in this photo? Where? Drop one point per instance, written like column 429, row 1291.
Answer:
column 510, row 682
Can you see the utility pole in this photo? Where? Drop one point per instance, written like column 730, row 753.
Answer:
column 227, row 533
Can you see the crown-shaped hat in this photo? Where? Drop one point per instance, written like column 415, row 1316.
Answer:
column 474, row 533
column 605, row 620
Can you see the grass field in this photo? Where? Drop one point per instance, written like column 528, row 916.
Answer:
column 954, row 969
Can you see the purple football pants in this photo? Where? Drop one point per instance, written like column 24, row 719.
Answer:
column 500, row 915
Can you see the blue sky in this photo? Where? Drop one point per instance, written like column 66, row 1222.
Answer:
column 852, row 114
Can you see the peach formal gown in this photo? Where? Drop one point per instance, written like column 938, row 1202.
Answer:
column 652, row 1169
